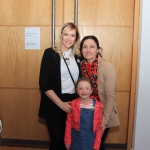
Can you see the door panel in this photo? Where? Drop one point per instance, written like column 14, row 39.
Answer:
column 111, row 21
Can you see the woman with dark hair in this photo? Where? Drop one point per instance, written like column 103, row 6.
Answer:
column 103, row 75
column 59, row 70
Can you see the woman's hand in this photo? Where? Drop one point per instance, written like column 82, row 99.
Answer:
column 68, row 146
column 65, row 106
column 103, row 126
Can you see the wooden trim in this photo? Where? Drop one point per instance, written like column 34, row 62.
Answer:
column 134, row 74
column 24, row 143
column 45, row 144
column 115, row 146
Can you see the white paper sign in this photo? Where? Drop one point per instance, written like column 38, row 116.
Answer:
column 32, row 38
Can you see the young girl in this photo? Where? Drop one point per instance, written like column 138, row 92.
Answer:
column 83, row 130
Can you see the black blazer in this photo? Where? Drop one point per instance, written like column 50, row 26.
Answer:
column 50, row 79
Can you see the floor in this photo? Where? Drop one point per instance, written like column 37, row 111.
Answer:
column 28, row 148
column 19, row 148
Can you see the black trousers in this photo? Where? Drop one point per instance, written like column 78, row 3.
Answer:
column 102, row 146
column 56, row 125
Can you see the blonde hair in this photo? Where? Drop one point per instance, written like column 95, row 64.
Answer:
column 75, row 47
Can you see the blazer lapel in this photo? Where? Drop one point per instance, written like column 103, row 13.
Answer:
column 78, row 63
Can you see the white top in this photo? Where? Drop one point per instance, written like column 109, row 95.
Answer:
column 67, row 85
column 87, row 106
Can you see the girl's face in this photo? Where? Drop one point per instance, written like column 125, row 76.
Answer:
column 84, row 90
column 89, row 50
column 68, row 39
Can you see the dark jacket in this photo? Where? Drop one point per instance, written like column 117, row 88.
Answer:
column 50, row 79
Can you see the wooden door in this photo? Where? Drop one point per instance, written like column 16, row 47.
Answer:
column 112, row 21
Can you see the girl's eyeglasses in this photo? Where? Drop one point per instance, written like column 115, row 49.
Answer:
column 86, row 89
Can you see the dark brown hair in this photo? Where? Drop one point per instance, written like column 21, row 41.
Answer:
column 85, row 79
column 92, row 37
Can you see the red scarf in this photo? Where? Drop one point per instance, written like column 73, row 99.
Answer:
column 91, row 74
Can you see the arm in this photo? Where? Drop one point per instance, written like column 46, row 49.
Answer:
column 98, row 131
column 97, row 140
column 63, row 105
column 109, row 92
column 67, row 137
column 48, row 78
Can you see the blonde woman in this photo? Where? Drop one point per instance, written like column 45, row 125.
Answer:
column 57, row 85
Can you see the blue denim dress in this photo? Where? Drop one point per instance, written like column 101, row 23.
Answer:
column 84, row 139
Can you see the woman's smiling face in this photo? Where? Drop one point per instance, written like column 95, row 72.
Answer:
column 68, row 39
column 89, row 50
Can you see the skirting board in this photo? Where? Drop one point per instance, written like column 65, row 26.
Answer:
column 45, row 144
